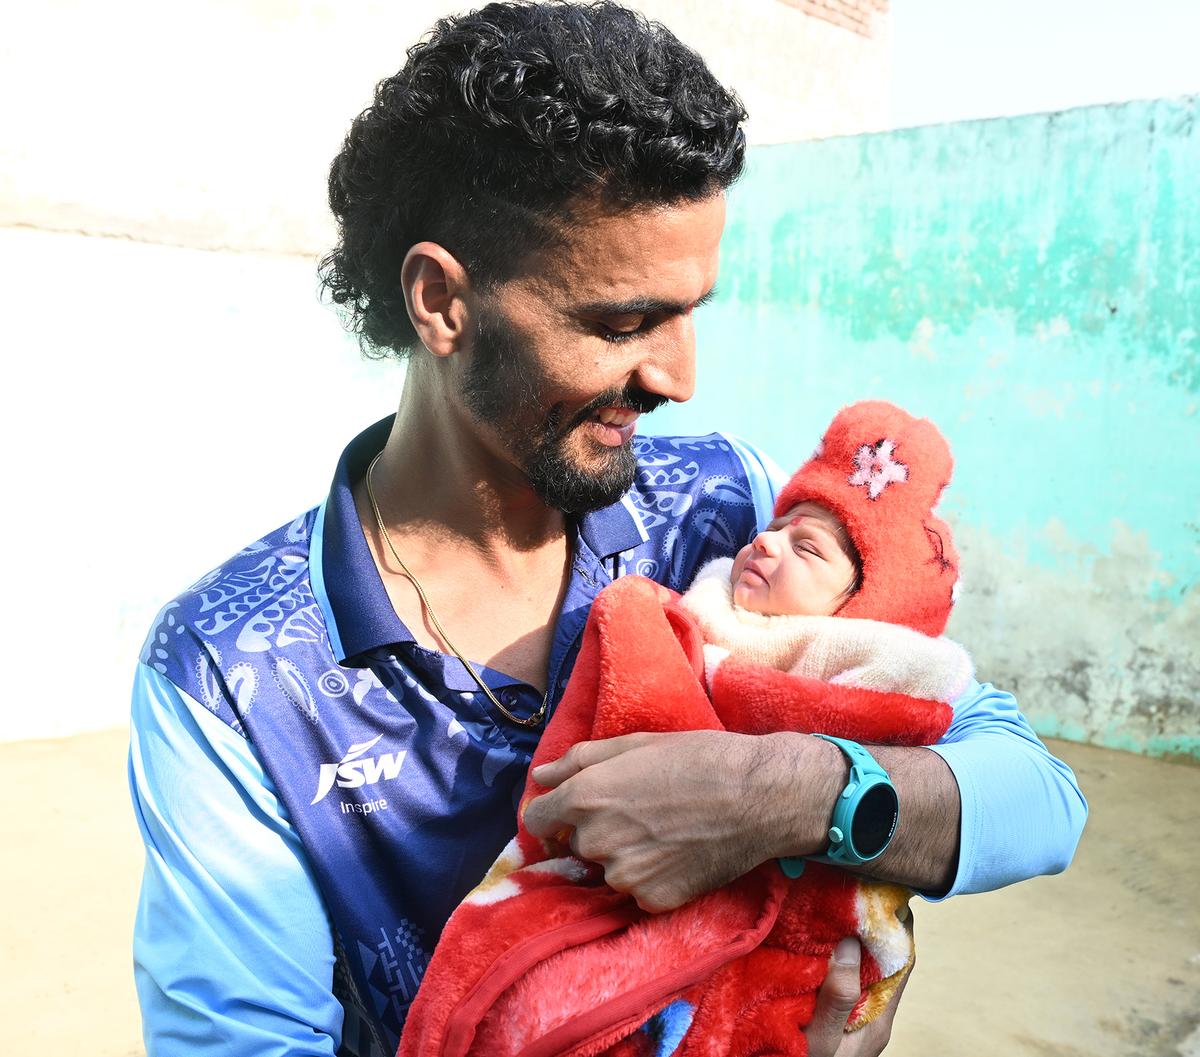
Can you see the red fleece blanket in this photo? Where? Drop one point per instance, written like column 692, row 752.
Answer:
column 544, row 959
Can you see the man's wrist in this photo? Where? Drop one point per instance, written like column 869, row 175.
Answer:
column 801, row 778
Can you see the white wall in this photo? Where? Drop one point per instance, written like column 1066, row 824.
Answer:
column 163, row 407
column 212, row 124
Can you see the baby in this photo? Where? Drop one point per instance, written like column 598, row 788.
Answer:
column 823, row 623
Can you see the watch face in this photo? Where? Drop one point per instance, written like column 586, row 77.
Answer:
column 874, row 819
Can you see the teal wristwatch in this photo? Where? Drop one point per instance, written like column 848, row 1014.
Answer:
column 864, row 815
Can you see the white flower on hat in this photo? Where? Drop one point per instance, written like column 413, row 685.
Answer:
column 875, row 469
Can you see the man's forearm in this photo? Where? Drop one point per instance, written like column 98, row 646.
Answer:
column 809, row 773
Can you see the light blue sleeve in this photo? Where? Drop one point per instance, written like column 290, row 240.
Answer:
column 233, row 951
column 1022, row 810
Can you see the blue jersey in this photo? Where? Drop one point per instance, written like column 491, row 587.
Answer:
column 374, row 783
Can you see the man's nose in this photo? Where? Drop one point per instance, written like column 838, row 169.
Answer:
column 669, row 368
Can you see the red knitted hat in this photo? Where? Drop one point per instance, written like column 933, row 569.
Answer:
column 881, row 472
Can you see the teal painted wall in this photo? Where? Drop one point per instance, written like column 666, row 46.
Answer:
column 1033, row 285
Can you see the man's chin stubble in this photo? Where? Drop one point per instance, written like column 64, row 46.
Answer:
column 564, row 485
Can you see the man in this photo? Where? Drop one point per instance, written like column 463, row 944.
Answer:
column 331, row 730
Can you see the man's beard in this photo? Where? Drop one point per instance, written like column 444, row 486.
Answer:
column 503, row 389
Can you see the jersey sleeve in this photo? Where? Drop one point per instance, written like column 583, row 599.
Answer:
column 1022, row 809
column 233, row 951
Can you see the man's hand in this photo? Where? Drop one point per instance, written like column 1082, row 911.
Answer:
column 826, row 1033
column 671, row 816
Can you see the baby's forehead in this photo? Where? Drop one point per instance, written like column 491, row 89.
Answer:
column 809, row 514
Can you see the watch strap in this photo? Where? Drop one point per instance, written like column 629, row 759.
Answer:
column 865, row 773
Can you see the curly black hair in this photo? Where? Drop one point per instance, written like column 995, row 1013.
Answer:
column 499, row 120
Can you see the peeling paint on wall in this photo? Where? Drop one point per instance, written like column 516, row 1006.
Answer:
column 1033, row 285
column 1075, row 217
column 1089, row 656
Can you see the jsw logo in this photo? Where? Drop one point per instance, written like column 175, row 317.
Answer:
column 352, row 772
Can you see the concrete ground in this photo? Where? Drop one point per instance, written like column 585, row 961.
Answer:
column 1103, row 961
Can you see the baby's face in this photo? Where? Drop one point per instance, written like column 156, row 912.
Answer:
column 795, row 565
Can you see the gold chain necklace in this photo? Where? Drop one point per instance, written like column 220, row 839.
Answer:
column 533, row 721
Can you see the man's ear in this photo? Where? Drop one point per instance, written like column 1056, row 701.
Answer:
column 436, row 289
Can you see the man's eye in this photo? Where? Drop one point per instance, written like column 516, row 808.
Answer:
column 623, row 328
column 618, row 336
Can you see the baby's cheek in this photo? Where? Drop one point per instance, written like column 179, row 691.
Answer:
column 738, row 562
